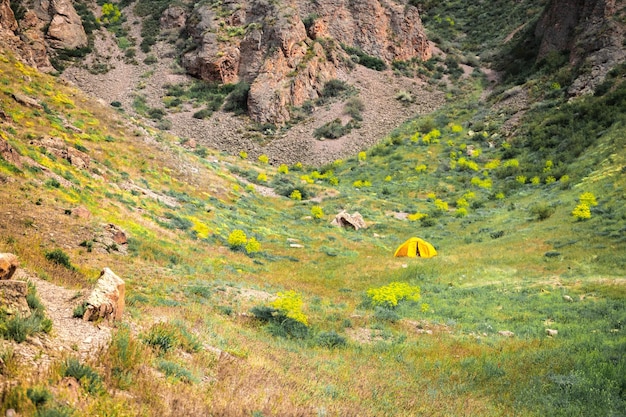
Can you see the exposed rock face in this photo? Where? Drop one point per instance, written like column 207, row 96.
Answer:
column 107, row 298
column 58, row 148
column 174, row 17
column 66, row 29
column 8, row 265
column 7, row 17
column 589, row 31
column 385, row 29
column 13, row 297
column 267, row 45
column 9, row 154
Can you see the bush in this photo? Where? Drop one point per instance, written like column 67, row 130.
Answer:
column 333, row 88
column 237, row 100
column 177, row 371
column 59, row 257
column 332, row 130
column 330, row 340
column 389, row 296
column 582, row 212
column 84, row 374
column 252, row 246
column 290, row 303
column 237, row 239
column 317, row 212
column 542, row 211
column 353, row 107
column 279, row 324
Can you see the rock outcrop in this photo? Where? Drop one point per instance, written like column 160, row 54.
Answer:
column 9, row 154
column 44, row 27
column 589, row 31
column 267, row 45
column 106, row 301
column 65, row 30
column 12, row 292
column 58, row 148
column 13, row 297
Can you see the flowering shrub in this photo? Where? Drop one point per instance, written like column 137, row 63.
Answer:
column 237, row 239
column 390, row 295
column 486, row 183
column 550, row 179
column 417, row 216
column 462, row 202
column 466, row 165
column 333, row 180
column 499, row 196
column 548, row 166
column 455, row 128
column 421, row 168
column 253, row 245
column 317, row 212
column 588, row 199
column 243, row 155
column 470, row 195
column 521, row 179
column 283, row 169
column 264, row 159
column 361, row 184
column 493, row 164
column 362, row 156
column 581, row 212
column 307, row 179
column 511, row 163
column 460, row 212
column 535, row 180
column 441, row 205
column 262, row 177
column 388, row 178
column 290, row 303
column 296, row 195
column 337, row 163
column 297, row 166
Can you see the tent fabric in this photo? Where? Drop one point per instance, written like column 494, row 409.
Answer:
column 416, row 247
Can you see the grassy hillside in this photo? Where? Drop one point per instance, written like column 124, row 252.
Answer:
column 302, row 318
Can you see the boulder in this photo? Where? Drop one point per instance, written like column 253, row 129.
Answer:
column 8, row 265
column 106, row 301
column 66, row 29
column 344, row 219
column 13, row 297
column 506, row 333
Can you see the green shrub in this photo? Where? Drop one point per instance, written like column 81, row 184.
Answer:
column 175, row 370
column 364, row 59
column 542, row 211
column 59, row 257
column 333, row 88
column 386, row 314
column 317, row 212
column 237, row 100
column 39, row 396
column 253, row 246
column 330, row 340
column 332, row 130
column 84, row 374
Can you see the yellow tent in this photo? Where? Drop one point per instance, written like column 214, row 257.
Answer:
column 416, row 247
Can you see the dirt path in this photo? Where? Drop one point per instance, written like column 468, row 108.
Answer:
column 69, row 336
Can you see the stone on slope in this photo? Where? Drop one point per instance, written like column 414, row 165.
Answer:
column 106, row 301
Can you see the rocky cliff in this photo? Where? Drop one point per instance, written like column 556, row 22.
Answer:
column 43, row 28
column 591, row 31
column 268, row 45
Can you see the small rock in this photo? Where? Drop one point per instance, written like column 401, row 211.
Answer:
column 8, row 265
column 568, row 298
column 296, row 245
column 552, row 332
column 88, row 340
column 11, row 413
column 506, row 333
